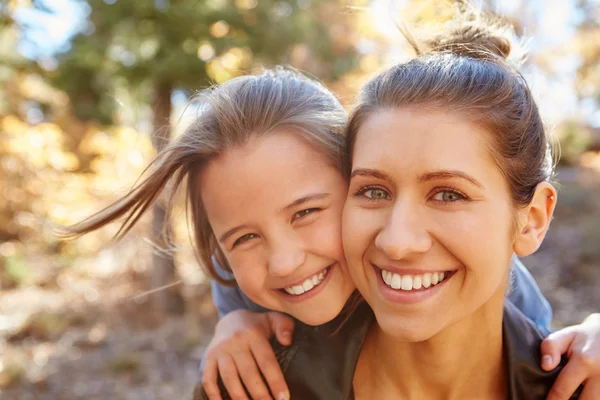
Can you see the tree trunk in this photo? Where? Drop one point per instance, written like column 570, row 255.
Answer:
column 168, row 300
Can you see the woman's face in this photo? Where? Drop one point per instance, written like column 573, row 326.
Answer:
column 428, row 223
column 275, row 207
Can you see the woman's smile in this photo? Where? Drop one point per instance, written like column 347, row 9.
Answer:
column 410, row 286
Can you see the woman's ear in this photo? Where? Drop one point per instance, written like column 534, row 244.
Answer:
column 534, row 220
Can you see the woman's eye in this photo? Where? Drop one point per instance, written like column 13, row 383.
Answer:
column 244, row 239
column 303, row 213
column 375, row 194
column 448, row 196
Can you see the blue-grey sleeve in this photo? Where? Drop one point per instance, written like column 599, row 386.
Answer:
column 528, row 298
column 228, row 298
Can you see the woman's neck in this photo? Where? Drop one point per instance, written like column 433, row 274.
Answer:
column 465, row 360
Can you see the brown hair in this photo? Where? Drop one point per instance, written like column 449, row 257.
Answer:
column 465, row 69
column 230, row 115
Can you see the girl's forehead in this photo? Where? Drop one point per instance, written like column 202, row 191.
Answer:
column 273, row 170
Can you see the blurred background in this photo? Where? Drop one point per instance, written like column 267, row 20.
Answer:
column 89, row 90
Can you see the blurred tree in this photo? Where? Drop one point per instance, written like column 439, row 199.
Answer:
column 153, row 47
column 12, row 64
column 587, row 44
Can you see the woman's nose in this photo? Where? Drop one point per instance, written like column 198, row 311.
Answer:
column 403, row 234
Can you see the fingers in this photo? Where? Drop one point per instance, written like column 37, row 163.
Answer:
column 267, row 362
column 231, row 378
column 248, row 370
column 555, row 345
column 569, row 379
column 591, row 390
column 209, row 379
column 283, row 327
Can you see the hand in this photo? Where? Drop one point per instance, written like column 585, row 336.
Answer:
column 581, row 344
column 240, row 348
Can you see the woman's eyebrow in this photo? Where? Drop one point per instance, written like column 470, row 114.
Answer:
column 370, row 172
column 305, row 199
column 449, row 174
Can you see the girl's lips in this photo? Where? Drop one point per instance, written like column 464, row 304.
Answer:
column 330, row 270
column 412, row 295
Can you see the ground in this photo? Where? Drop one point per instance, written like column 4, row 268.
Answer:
column 84, row 333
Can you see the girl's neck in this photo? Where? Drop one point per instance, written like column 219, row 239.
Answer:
column 464, row 360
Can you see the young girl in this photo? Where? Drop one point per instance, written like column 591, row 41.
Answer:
column 262, row 171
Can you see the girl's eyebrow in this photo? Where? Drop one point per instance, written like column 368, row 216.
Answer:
column 296, row 203
column 305, row 199
column 232, row 231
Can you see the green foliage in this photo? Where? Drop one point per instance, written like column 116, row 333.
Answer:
column 574, row 140
column 180, row 43
column 125, row 363
column 16, row 270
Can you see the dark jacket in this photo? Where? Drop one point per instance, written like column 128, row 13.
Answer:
column 320, row 363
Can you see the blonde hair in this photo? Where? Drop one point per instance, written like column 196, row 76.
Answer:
column 231, row 114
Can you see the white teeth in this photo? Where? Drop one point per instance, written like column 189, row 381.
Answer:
column 396, row 281
column 417, row 282
column 411, row 282
column 388, row 278
column 307, row 285
column 407, row 282
column 426, row 280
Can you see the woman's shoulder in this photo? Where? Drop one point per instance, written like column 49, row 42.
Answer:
column 522, row 340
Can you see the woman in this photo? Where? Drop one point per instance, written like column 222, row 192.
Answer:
column 449, row 178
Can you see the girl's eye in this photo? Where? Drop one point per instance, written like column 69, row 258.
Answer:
column 244, row 239
column 374, row 194
column 448, row 196
column 303, row 213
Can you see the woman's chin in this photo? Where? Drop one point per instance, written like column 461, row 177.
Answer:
column 406, row 329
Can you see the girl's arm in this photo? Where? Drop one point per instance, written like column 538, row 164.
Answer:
column 579, row 343
column 241, row 355
column 240, row 352
column 528, row 298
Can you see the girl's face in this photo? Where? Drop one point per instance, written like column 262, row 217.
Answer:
column 428, row 224
column 275, row 207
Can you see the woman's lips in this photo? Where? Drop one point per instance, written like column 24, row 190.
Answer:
column 412, row 286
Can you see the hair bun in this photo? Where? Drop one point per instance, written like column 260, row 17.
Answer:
column 472, row 39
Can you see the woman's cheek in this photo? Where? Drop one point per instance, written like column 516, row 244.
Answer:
column 352, row 232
